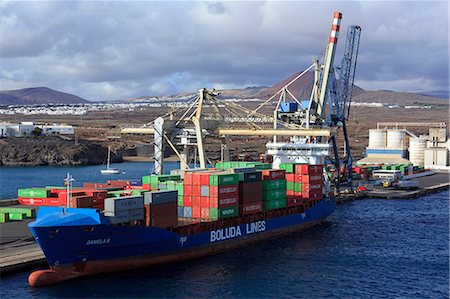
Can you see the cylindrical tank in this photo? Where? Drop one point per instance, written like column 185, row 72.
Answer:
column 417, row 148
column 377, row 138
column 396, row 139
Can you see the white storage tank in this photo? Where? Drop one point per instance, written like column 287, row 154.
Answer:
column 396, row 139
column 417, row 148
column 377, row 138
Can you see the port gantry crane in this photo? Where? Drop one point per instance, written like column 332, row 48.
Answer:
column 309, row 127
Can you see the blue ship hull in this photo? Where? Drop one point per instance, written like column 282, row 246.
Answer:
column 80, row 242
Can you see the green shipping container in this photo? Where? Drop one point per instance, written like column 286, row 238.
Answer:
column 31, row 212
column 17, row 216
column 223, row 179
column 55, row 187
column 34, row 192
column 146, row 179
column 275, row 204
column 274, row 194
column 289, row 167
column 290, row 186
column 219, row 165
column 274, row 185
column 180, row 200
column 297, row 187
column 4, row 217
column 213, row 213
column 228, row 212
column 180, row 188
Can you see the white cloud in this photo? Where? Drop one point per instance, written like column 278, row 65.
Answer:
column 111, row 50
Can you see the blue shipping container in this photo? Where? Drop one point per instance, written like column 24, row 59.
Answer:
column 305, row 104
column 187, row 212
column 288, row 107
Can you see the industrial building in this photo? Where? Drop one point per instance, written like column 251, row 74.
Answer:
column 393, row 143
column 26, row 129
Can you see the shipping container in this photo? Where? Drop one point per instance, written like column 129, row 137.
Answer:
column 309, row 169
column 275, row 204
column 4, row 217
column 126, row 203
column 223, row 179
column 274, row 184
column 228, row 212
column 159, row 197
column 273, row 174
column 165, row 222
column 30, row 212
column 251, row 208
column 274, row 194
column 34, row 192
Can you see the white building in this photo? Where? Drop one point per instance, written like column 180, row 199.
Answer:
column 57, row 130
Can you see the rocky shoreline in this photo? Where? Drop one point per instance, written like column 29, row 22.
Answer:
column 52, row 151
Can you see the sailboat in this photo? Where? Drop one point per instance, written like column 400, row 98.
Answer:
column 109, row 170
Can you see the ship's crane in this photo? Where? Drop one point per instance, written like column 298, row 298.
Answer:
column 310, row 128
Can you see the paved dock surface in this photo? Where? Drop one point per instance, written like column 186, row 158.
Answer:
column 18, row 249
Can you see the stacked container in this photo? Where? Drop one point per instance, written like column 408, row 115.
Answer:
column 274, row 189
column 124, row 209
column 240, row 164
column 311, row 177
column 250, row 191
column 156, row 182
column 161, row 208
column 211, row 195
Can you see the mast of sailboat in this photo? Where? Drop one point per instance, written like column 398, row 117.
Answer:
column 109, row 156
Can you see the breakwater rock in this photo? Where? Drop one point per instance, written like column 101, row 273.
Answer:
column 30, row 151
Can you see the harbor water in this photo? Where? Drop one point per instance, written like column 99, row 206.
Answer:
column 14, row 178
column 367, row 248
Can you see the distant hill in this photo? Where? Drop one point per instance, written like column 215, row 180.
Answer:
column 37, row 95
column 301, row 88
column 399, row 98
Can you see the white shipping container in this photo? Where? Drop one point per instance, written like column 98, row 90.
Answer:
column 138, row 214
column 204, row 191
column 126, row 203
column 118, row 217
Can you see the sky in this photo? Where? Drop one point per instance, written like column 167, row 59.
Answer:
column 118, row 50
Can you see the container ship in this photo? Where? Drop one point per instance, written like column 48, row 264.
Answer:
column 112, row 228
column 189, row 213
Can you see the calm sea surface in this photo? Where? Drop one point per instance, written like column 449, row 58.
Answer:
column 13, row 178
column 367, row 249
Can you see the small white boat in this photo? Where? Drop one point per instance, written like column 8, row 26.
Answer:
column 109, row 170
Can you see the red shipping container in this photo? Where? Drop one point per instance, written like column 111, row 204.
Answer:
column 196, row 201
column 294, row 177
column 251, row 197
column 196, row 212
column 204, row 179
column 204, row 201
column 314, row 187
column 162, row 210
column 311, row 179
column 248, row 188
column 165, row 222
column 189, row 190
column 31, row 201
column 312, row 195
column 187, row 201
column 146, row 187
column 204, row 212
column 89, row 185
column 118, row 183
column 213, row 202
column 293, row 201
column 81, row 202
column 308, row 169
column 289, row 192
column 55, row 201
column 251, row 208
column 273, row 174
column 223, row 191
column 228, row 201
column 196, row 190
column 196, row 177
column 188, row 178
